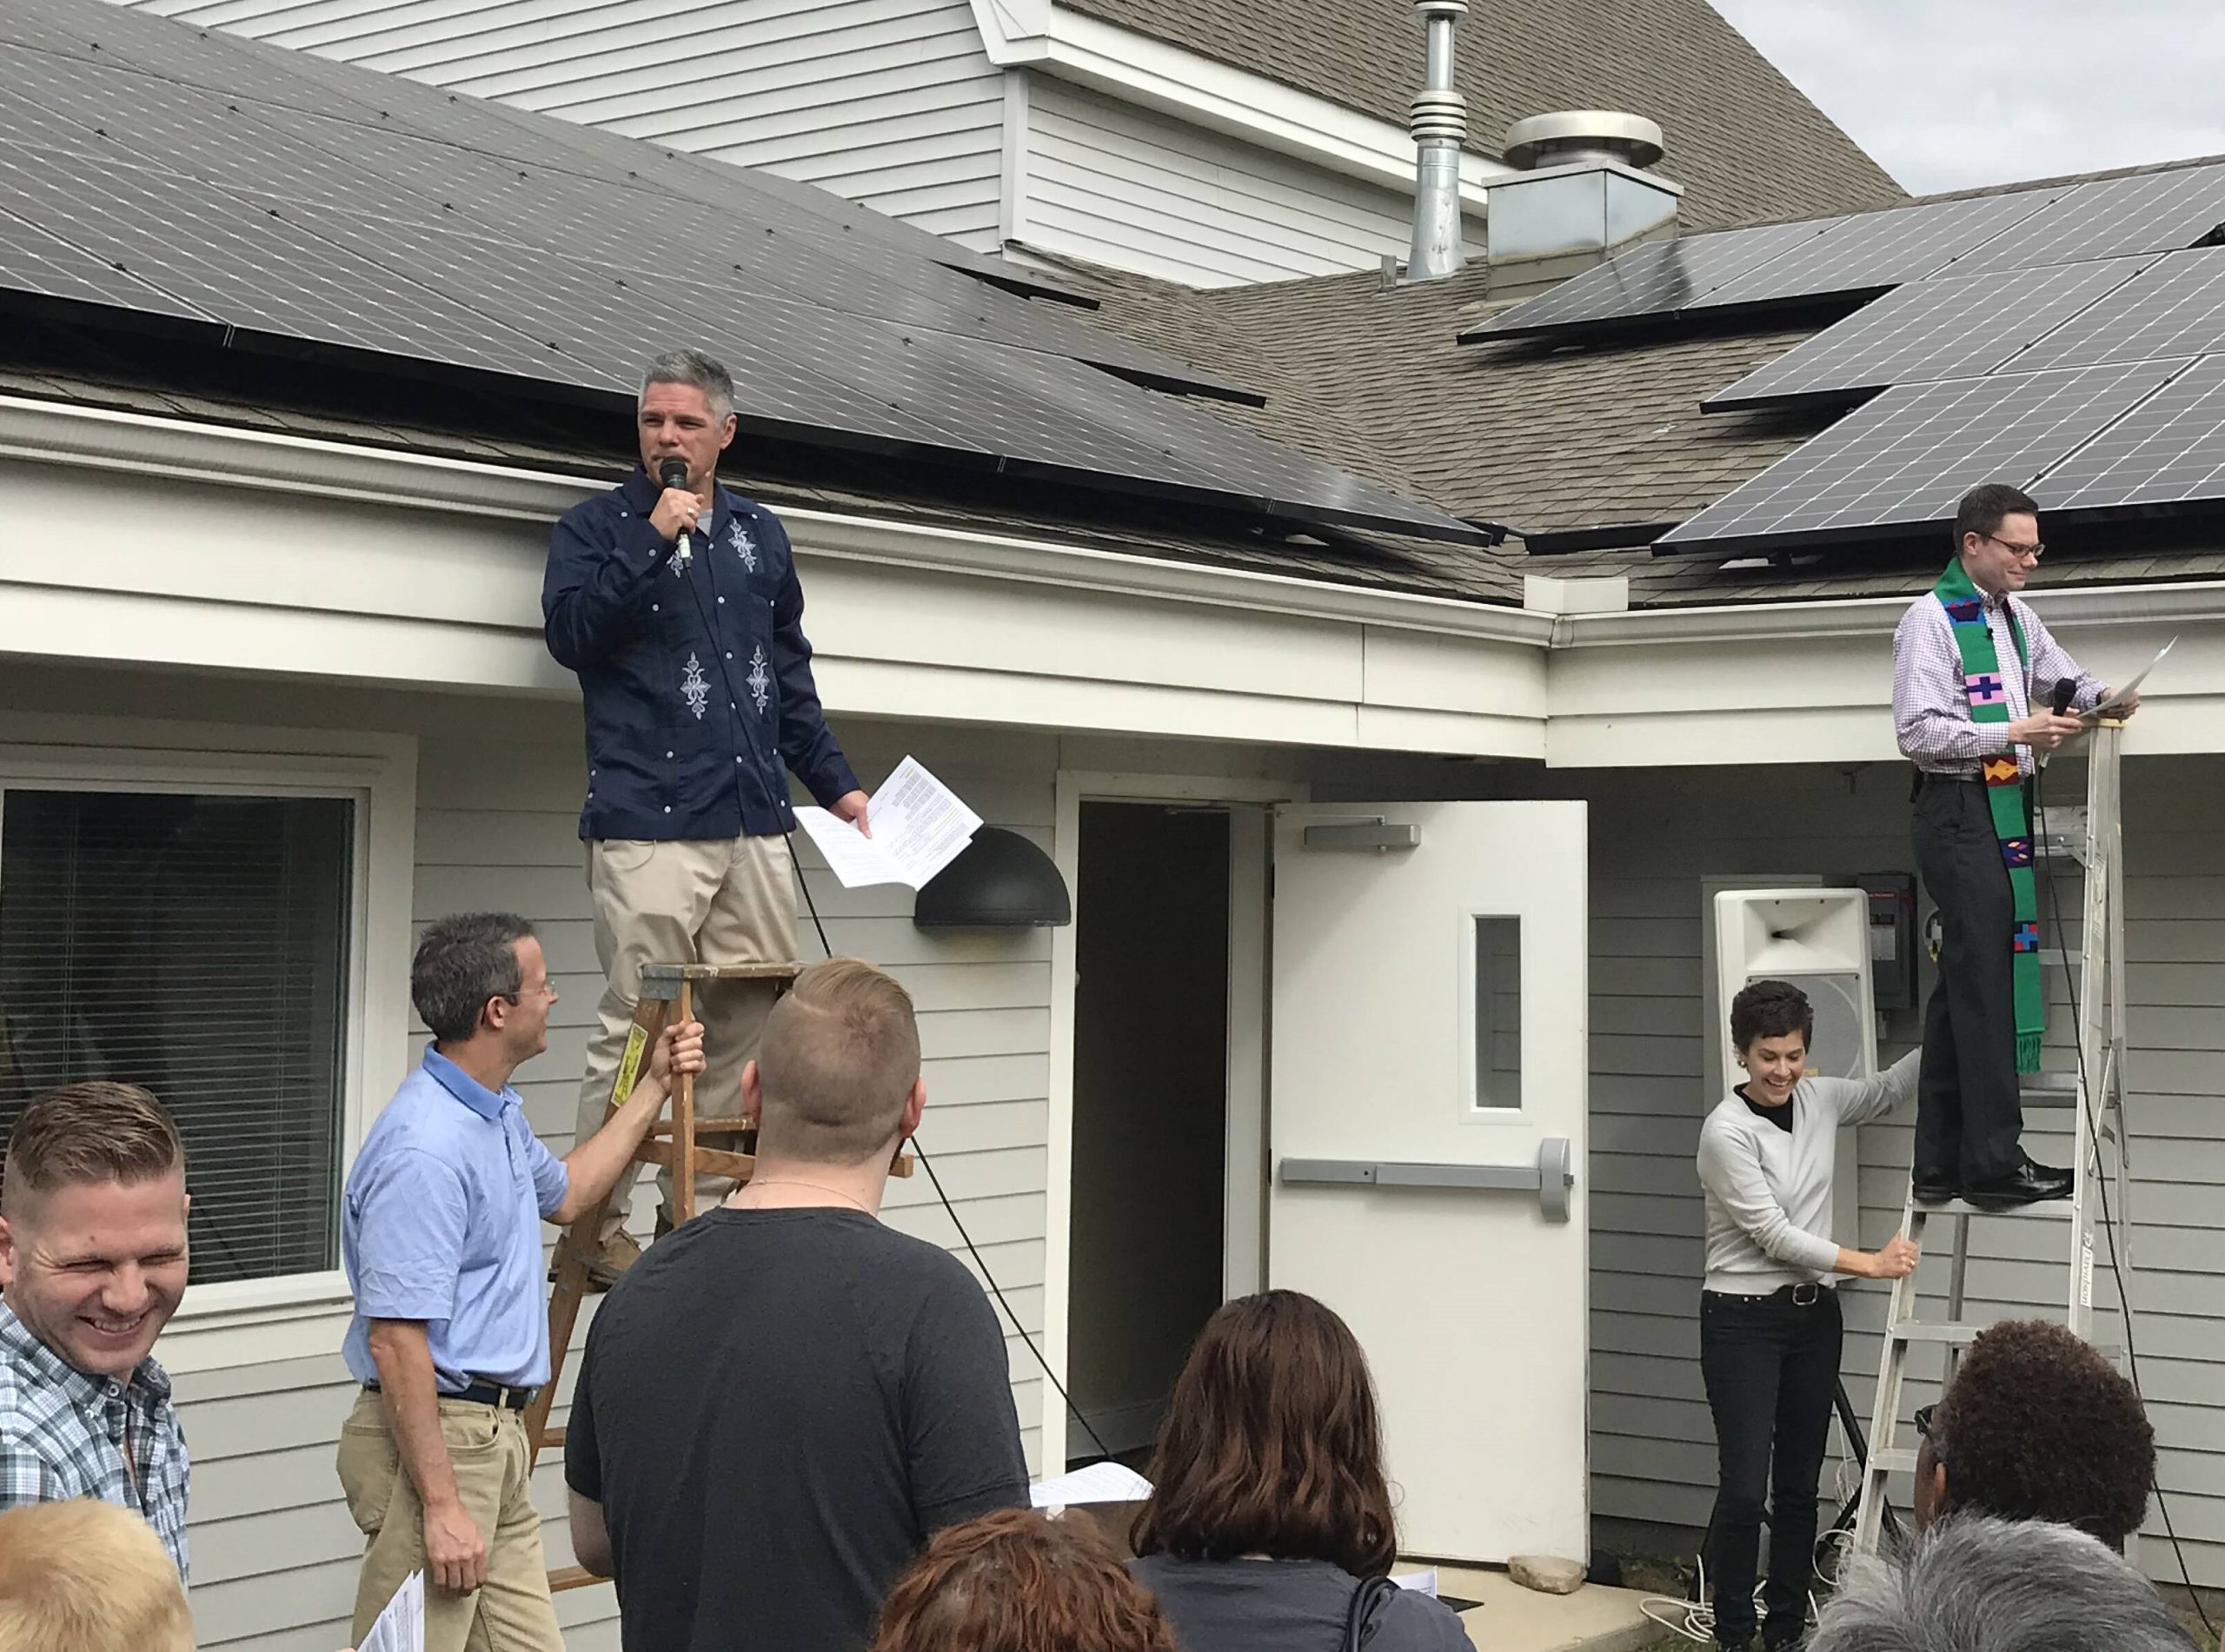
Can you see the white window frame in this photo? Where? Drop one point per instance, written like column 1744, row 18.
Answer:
column 377, row 773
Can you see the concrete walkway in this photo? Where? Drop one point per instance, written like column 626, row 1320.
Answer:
column 1513, row 1619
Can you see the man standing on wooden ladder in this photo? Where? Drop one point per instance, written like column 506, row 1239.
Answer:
column 1966, row 660
column 677, row 604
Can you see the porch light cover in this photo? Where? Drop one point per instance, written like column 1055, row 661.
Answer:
column 1000, row 881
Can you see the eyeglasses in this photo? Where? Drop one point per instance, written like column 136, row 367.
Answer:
column 2031, row 552
column 1922, row 1420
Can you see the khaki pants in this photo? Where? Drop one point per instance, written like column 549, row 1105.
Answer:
column 486, row 1444
column 689, row 901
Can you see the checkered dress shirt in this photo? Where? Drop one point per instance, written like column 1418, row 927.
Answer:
column 1931, row 710
column 64, row 1434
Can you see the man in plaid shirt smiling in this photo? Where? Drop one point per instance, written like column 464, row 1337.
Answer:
column 92, row 1263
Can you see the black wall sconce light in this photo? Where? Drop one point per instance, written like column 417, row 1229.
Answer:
column 1000, row 881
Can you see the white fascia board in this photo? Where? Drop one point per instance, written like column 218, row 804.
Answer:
column 1136, row 69
column 104, row 439
column 2193, row 601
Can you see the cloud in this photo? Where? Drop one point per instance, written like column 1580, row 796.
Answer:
column 1950, row 94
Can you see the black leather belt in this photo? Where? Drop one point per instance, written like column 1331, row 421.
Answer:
column 483, row 1393
column 1800, row 1296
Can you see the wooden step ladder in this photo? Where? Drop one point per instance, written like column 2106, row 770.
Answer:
column 2095, row 1093
column 667, row 994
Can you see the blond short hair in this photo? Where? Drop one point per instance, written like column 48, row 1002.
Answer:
column 839, row 1056
column 96, row 1131
column 87, row 1576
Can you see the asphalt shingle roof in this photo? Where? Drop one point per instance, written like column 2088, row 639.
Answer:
column 1744, row 142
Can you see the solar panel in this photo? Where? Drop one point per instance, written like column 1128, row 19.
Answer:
column 2175, row 308
column 241, row 263
column 1905, row 458
column 1877, row 249
column 294, row 200
column 2154, row 212
column 1656, row 279
column 33, row 261
column 2168, row 449
column 1942, row 329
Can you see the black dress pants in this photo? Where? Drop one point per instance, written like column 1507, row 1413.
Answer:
column 1968, row 1110
column 1771, row 1364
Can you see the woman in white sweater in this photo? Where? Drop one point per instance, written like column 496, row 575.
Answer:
column 1769, row 1316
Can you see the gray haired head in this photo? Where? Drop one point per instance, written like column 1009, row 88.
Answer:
column 693, row 367
column 1977, row 1584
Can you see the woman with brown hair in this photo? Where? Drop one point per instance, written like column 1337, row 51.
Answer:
column 1014, row 1582
column 1269, row 1518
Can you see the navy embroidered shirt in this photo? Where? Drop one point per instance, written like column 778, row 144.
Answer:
column 65, row 1433
column 697, row 682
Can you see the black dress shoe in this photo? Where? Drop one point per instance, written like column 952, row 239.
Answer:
column 2027, row 1184
column 1935, row 1190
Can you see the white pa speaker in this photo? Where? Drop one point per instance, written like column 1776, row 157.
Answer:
column 1818, row 940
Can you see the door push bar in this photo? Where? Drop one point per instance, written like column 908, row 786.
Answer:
column 1552, row 1176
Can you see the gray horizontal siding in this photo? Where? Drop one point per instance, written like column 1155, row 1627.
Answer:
column 892, row 103
column 275, row 1552
column 1654, row 837
column 1121, row 185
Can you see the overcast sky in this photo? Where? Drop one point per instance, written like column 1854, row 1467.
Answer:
column 1947, row 94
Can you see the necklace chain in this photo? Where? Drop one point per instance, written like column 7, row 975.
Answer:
column 819, row 1187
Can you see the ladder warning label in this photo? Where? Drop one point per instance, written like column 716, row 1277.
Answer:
column 2086, row 1272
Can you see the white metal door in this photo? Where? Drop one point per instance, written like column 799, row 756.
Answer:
column 1429, row 1057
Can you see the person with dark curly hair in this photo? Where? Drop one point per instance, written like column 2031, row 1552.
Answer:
column 2038, row 1425
column 1770, row 1327
column 1015, row 1582
column 1269, row 1525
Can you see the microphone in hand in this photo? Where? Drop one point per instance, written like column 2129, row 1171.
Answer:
column 2060, row 705
column 673, row 473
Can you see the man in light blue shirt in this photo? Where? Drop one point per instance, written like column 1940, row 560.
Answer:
column 441, row 1234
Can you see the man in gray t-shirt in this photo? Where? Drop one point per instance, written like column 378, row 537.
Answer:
column 784, row 1398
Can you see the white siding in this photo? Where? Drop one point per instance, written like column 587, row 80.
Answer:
column 275, row 1552
column 890, row 103
column 1121, row 185
column 1654, row 837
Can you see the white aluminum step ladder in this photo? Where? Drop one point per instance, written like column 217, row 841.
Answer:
column 2094, row 1092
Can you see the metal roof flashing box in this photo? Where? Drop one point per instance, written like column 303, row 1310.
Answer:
column 1582, row 197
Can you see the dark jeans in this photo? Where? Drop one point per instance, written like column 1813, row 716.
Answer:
column 1771, row 1365
column 1969, row 1112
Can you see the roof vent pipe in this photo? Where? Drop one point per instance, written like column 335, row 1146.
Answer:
column 1440, row 124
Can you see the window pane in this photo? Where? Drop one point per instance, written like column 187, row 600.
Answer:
column 1498, row 1011
column 196, row 945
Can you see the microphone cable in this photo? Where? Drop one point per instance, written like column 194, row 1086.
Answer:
column 733, row 709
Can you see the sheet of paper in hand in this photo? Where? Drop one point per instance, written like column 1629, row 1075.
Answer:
column 919, row 828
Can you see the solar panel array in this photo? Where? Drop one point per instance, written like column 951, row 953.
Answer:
column 2109, row 217
column 1946, row 328
column 1733, row 271
column 1879, row 249
column 2170, row 450
column 1656, row 279
column 2175, row 308
column 1908, row 456
column 216, row 184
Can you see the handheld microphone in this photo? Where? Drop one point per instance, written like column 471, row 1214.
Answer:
column 2060, row 705
column 673, row 473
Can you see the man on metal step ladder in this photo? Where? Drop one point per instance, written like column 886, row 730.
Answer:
column 1966, row 659
column 677, row 604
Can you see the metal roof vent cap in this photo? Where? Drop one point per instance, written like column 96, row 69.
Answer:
column 1582, row 136
column 1438, row 120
